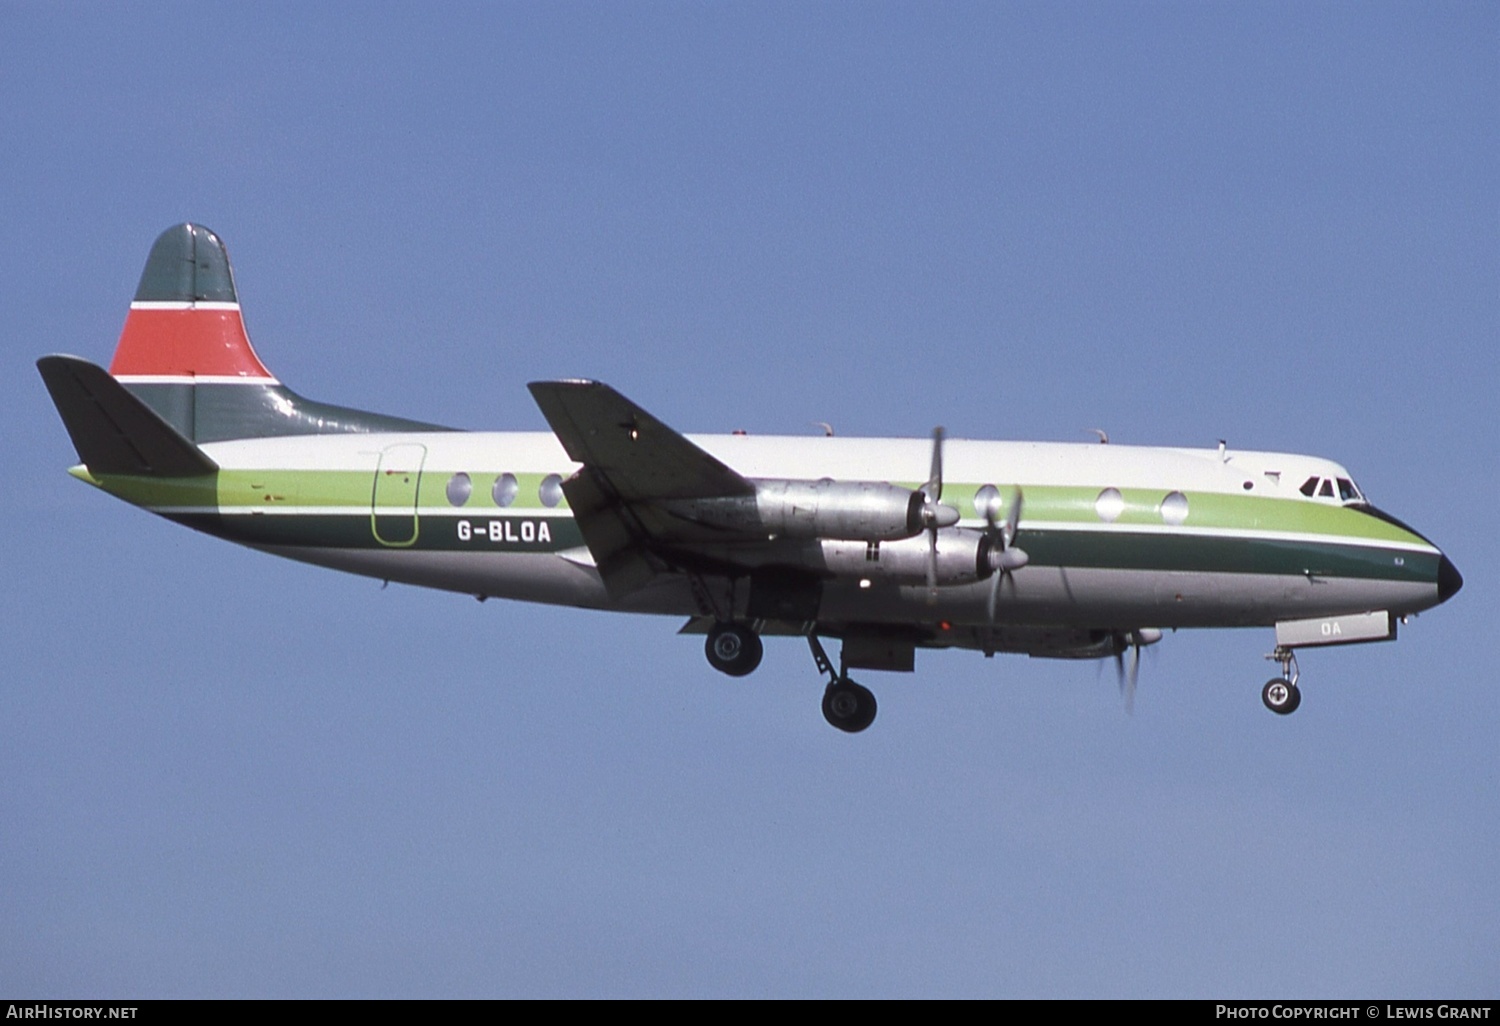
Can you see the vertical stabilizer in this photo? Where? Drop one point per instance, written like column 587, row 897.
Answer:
column 185, row 322
column 185, row 354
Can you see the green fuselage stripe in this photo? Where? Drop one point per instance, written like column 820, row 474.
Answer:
column 1222, row 533
column 342, row 489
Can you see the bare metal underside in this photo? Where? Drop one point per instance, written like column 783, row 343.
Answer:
column 1042, row 596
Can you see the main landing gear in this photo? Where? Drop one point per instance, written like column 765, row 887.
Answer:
column 846, row 705
column 736, row 649
column 1281, row 694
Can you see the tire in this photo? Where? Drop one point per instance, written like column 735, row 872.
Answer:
column 848, row 706
column 1281, row 696
column 733, row 649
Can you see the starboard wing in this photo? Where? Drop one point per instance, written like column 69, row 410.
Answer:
column 632, row 464
column 642, row 458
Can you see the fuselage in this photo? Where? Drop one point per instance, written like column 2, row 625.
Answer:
column 1118, row 536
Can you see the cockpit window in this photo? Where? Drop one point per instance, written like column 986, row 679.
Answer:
column 1324, row 488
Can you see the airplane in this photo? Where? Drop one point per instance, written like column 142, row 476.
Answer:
column 1055, row 550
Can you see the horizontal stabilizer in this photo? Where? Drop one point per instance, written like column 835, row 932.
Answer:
column 113, row 431
column 640, row 457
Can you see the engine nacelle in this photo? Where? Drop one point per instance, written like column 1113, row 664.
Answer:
column 963, row 557
column 862, row 511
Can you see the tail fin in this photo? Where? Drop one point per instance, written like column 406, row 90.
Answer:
column 184, row 324
column 185, row 354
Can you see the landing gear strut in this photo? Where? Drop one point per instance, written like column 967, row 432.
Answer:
column 1281, row 694
column 733, row 648
column 846, row 705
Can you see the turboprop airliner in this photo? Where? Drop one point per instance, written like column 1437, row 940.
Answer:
column 1067, row 551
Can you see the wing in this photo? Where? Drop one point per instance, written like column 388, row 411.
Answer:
column 642, row 458
column 634, row 468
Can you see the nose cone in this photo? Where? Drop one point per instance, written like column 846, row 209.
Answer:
column 1449, row 580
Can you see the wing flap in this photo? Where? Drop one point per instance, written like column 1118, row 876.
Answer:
column 615, row 539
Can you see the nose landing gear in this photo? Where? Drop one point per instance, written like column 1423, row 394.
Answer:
column 1281, row 694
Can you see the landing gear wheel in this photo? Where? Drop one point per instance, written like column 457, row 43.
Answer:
column 1281, row 696
column 848, row 706
column 733, row 649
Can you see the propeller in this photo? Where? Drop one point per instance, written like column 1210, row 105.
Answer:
column 1004, row 558
column 1134, row 640
column 935, row 515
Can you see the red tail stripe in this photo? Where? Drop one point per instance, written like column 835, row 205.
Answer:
column 186, row 342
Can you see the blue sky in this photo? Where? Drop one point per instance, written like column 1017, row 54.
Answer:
column 223, row 774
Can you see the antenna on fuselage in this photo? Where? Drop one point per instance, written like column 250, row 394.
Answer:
column 1103, row 435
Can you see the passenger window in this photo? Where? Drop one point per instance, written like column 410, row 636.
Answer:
column 505, row 489
column 1174, row 508
column 1109, row 505
column 551, row 492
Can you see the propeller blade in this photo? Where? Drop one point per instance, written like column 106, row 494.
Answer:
column 1013, row 517
column 933, row 515
column 1128, row 679
column 1004, row 559
column 932, row 566
column 933, row 489
column 989, row 609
